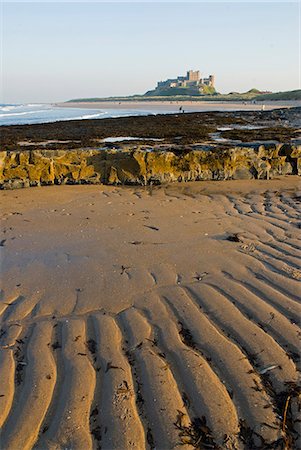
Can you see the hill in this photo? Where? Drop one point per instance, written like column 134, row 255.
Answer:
column 182, row 95
column 287, row 95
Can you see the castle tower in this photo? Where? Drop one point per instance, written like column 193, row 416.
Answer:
column 193, row 75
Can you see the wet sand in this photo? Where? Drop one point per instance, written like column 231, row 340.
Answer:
column 189, row 106
column 159, row 317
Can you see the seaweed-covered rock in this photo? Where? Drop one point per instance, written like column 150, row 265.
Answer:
column 138, row 166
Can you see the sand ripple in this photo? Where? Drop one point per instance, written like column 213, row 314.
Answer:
column 162, row 319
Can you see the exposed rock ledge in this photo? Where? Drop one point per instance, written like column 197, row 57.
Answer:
column 46, row 167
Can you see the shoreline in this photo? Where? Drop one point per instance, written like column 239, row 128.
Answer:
column 192, row 106
column 59, row 112
column 153, row 149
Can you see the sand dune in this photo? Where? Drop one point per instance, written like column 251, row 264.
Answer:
column 162, row 317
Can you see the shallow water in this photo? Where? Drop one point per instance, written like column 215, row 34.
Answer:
column 129, row 138
column 32, row 113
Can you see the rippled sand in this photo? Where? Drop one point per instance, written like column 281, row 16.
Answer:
column 151, row 318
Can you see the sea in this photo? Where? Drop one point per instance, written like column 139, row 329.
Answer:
column 30, row 113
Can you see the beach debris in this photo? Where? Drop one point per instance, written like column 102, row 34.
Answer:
column 162, row 355
column 2, row 333
column 186, row 336
column 294, row 273
column 94, row 412
column 152, row 227
column 123, row 388
column 247, row 435
column 197, row 433
column 111, row 366
column 285, row 413
column 267, row 369
column 19, row 372
column 186, row 400
column 230, row 392
column 92, row 346
column 154, row 341
column 233, row 238
column 124, row 270
column 2, row 242
column 200, row 276
column 178, row 279
column 136, row 242
column 154, row 277
column 96, row 432
column 56, row 345
column 248, row 248
column 150, row 438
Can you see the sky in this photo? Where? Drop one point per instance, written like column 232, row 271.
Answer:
column 55, row 51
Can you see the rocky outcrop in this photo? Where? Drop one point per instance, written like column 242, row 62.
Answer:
column 82, row 166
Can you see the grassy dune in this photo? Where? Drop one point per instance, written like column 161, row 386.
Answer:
column 252, row 94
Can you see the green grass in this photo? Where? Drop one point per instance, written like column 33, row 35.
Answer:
column 252, row 94
column 288, row 95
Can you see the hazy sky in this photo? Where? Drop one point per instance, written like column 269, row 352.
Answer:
column 61, row 50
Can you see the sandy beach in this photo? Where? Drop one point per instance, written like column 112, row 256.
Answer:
column 158, row 317
column 189, row 106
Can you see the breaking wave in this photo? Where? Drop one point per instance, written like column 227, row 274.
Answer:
column 23, row 113
column 32, row 113
column 88, row 116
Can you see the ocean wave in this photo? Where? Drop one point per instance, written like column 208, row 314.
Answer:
column 10, row 107
column 32, row 113
column 23, row 113
column 7, row 108
column 86, row 116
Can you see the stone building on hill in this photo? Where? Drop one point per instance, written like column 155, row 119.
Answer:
column 192, row 79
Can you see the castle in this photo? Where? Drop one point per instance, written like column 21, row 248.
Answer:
column 193, row 79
